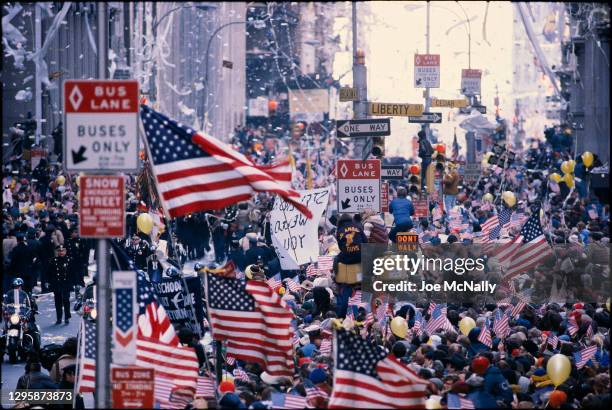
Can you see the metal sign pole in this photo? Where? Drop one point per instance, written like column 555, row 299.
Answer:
column 103, row 331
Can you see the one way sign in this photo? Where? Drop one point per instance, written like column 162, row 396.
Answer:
column 427, row 117
column 364, row 128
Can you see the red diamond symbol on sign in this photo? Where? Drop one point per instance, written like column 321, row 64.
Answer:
column 343, row 170
column 75, row 97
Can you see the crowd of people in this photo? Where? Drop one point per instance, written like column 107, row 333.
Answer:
column 41, row 246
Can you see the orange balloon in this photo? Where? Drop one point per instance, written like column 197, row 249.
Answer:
column 441, row 148
column 272, row 105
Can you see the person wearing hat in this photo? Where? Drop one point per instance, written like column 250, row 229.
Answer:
column 78, row 253
column 139, row 250
column 58, row 277
column 451, row 186
column 67, row 383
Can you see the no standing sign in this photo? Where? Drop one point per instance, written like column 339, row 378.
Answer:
column 101, row 125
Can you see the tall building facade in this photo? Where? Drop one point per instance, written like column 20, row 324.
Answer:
column 536, row 104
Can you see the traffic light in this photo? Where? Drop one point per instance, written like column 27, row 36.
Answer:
column 440, row 162
column 378, row 147
column 414, row 184
column 360, row 57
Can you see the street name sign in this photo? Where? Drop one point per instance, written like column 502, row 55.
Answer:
column 427, row 118
column 101, row 206
column 427, row 70
column 449, row 103
column 470, row 81
column 358, row 185
column 395, row 109
column 364, row 128
column 392, row 172
column 101, row 125
column 348, row 94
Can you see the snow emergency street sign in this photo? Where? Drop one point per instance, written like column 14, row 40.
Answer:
column 384, row 197
column 101, row 125
column 101, row 206
column 427, row 70
column 470, row 81
column 358, row 185
column 364, row 128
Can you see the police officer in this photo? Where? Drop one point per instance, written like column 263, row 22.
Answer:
column 139, row 251
column 77, row 251
column 58, row 275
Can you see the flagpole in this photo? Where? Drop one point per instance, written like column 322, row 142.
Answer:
column 218, row 343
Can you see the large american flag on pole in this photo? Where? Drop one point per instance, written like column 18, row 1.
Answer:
column 366, row 377
column 196, row 172
column 253, row 320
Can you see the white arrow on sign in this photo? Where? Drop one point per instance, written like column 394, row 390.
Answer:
column 433, row 117
column 362, row 128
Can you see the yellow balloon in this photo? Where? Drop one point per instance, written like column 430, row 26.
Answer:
column 608, row 304
column 567, row 167
column 509, row 198
column 558, row 369
column 466, row 324
column 281, row 291
column 488, row 197
column 39, row 206
column 587, row 158
column 569, row 180
column 399, row 327
column 433, row 402
column 145, row 223
column 61, row 180
column 555, row 177
column 484, row 163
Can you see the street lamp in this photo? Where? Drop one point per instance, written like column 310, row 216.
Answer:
column 255, row 23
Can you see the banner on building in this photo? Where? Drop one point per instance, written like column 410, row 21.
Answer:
column 295, row 237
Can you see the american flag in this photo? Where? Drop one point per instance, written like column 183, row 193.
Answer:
column 456, row 401
column 173, row 398
column 484, row 336
column 500, row 324
column 196, row 172
column 326, row 347
column 583, row 356
column 325, row 263
column 572, row 325
column 551, row 339
column 517, row 220
column 355, row 299
column 517, row 308
column 86, row 378
column 418, row 323
column 293, row 283
column 157, row 345
column 489, row 225
column 529, row 248
column 240, row 374
column 205, row 387
column 366, row 377
column 312, row 392
column 381, row 311
column 438, row 320
column 432, row 306
column 311, row 270
column 275, row 282
column 253, row 320
column 124, row 314
column 230, row 360
column 589, row 332
column 288, row 401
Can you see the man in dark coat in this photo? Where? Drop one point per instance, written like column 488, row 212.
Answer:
column 58, row 275
column 78, row 253
column 139, row 250
column 22, row 257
